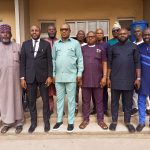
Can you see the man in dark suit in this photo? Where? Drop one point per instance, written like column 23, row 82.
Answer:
column 36, row 70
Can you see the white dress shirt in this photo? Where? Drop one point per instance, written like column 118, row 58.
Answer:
column 36, row 47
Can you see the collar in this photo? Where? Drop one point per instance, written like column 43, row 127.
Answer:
column 38, row 40
column 91, row 45
column 137, row 43
column 60, row 40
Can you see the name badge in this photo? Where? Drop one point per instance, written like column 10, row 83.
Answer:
column 98, row 50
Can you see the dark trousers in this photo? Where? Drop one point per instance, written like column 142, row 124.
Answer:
column 127, row 97
column 105, row 100
column 86, row 99
column 77, row 96
column 32, row 94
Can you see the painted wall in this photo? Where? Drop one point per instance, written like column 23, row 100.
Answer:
column 24, row 19
column 60, row 11
column 84, row 9
column 146, row 10
column 7, row 14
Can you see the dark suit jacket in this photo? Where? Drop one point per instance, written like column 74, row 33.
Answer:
column 38, row 68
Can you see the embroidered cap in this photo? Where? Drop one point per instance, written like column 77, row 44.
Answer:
column 5, row 27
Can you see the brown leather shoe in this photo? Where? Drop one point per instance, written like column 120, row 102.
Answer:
column 83, row 124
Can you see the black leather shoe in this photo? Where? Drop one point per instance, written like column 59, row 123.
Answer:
column 130, row 128
column 47, row 127
column 70, row 128
column 57, row 125
column 32, row 128
column 112, row 126
column 140, row 127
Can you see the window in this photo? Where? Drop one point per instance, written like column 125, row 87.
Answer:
column 88, row 25
column 126, row 22
column 44, row 25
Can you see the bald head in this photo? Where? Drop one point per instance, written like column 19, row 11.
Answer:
column 35, row 32
column 146, row 35
column 146, row 30
column 65, row 25
column 123, row 30
column 35, row 26
column 52, row 26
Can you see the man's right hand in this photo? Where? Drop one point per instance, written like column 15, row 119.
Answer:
column 23, row 84
column 79, row 81
column 53, row 80
column 108, row 83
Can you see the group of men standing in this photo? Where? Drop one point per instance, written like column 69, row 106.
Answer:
column 61, row 66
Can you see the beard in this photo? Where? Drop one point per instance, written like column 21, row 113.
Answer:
column 51, row 36
column 5, row 40
column 146, row 40
column 123, row 40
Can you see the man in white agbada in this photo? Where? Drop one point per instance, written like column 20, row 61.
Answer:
column 10, row 89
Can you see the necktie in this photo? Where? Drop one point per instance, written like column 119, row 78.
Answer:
column 34, row 48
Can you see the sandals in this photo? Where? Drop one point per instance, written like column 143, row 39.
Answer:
column 83, row 124
column 5, row 129
column 18, row 129
column 103, row 125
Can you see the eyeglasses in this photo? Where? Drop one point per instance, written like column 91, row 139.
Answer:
column 137, row 31
column 115, row 30
column 99, row 33
column 90, row 36
column 64, row 29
